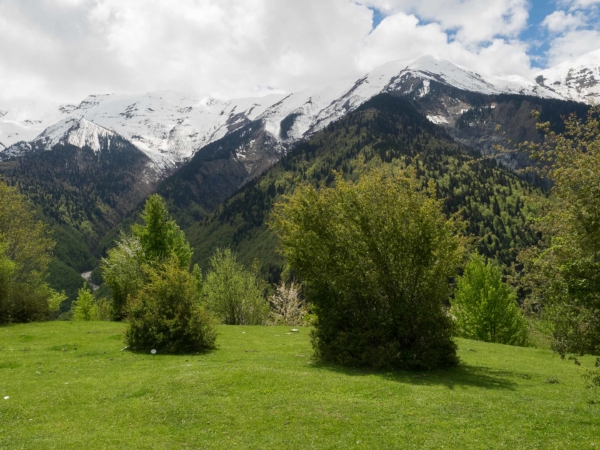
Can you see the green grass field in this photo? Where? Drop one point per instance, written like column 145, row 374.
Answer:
column 70, row 386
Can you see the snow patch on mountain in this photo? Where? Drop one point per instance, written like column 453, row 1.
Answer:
column 438, row 120
column 24, row 121
column 169, row 125
column 78, row 132
column 577, row 80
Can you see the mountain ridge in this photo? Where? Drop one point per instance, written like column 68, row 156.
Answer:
column 169, row 127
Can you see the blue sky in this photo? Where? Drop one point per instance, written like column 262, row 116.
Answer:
column 555, row 30
column 535, row 33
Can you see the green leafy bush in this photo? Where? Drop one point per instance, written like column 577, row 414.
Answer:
column 234, row 294
column 167, row 313
column 374, row 258
column 123, row 274
column 486, row 308
column 85, row 308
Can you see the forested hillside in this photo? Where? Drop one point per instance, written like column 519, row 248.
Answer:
column 385, row 131
column 82, row 195
column 88, row 197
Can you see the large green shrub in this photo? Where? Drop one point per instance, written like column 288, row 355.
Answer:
column 235, row 295
column 375, row 258
column 485, row 307
column 167, row 313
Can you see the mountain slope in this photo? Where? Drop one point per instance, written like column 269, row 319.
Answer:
column 89, row 190
column 386, row 131
column 81, row 193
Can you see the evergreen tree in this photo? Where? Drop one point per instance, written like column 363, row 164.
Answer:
column 160, row 237
column 153, row 243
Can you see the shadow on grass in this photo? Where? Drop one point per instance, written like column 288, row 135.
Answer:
column 462, row 375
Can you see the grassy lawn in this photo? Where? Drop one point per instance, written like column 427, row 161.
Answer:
column 70, row 386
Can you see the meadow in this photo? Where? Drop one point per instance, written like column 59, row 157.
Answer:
column 70, row 385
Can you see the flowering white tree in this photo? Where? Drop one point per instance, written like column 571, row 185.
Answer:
column 287, row 306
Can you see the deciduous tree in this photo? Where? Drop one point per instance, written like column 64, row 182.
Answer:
column 485, row 307
column 25, row 252
column 375, row 259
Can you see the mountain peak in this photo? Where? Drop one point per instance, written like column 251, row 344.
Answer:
column 577, row 80
column 79, row 132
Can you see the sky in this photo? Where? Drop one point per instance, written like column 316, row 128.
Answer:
column 64, row 50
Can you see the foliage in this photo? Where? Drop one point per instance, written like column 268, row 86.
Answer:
column 375, row 258
column 563, row 273
column 159, row 239
column 25, row 252
column 7, row 268
column 287, row 307
column 234, row 294
column 485, row 307
column 122, row 271
column 167, row 313
column 85, row 308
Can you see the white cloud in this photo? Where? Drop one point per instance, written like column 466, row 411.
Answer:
column 67, row 49
column 572, row 44
column 560, row 21
column 474, row 21
column 574, row 33
column 581, row 4
column 222, row 47
column 400, row 36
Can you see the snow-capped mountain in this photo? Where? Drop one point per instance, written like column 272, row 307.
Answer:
column 314, row 108
column 78, row 132
column 24, row 121
column 170, row 127
column 577, row 80
column 167, row 126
